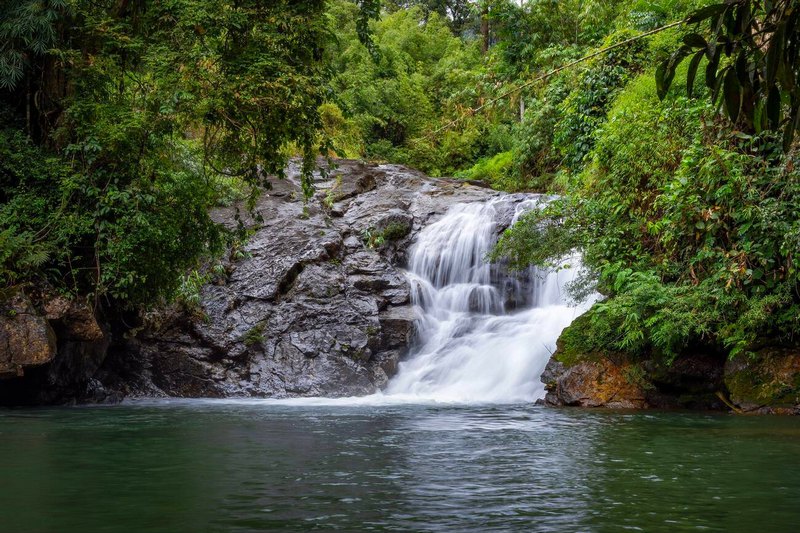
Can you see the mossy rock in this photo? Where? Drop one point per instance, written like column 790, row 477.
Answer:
column 577, row 344
column 768, row 379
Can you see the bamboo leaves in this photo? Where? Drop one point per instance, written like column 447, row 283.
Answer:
column 752, row 52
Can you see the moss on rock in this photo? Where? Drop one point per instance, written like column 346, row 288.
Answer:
column 768, row 381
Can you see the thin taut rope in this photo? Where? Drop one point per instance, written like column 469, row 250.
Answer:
column 553, row 72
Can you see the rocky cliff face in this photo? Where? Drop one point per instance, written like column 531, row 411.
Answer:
column 318, row 307
column 315, row 304
column 26, row 337
column 766, row 382
column 49, row 351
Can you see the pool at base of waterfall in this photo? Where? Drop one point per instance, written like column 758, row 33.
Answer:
column 247, row 466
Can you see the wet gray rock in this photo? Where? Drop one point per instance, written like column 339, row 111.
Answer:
column 320, row 306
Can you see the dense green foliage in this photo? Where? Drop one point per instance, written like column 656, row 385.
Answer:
column 124, row 122
column 395, row 100
column 399, row 100
column 761, row 41
column 687, row 224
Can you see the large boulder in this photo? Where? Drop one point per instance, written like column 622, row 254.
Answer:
column 26, row 337
column 600, row 383
column 693, row 380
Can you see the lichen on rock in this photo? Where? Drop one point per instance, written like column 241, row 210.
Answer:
column 767, row 381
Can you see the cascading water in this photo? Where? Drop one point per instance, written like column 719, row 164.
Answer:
column 471, row 348
column 483, row 335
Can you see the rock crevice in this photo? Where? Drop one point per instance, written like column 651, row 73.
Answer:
column 319, row 304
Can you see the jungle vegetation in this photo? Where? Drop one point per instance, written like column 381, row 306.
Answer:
column 122, row 122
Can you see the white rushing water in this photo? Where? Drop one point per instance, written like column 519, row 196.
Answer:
column 483, row 335
column 471, row 348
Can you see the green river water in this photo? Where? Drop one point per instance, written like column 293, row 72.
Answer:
column 262, row 466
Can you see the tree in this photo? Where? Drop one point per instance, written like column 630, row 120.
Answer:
column 752, row 54
column 139, row 107
column 460, row 13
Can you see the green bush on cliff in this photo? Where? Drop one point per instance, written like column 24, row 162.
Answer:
column 123, row 123
column 584, row 110
column 688, row 231
column 107, row 234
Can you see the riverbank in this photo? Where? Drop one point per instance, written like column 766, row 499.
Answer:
column 766, row 381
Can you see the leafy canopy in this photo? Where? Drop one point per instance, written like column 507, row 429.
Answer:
column 146, row 113
column 752, row 54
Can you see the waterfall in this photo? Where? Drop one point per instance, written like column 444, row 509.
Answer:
column 484, row 335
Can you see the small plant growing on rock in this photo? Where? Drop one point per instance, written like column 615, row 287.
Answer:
column 395, row 231
column 254, row 335
column 189, row 290
column 330, row 196
column 373, row 238
column 238, row 253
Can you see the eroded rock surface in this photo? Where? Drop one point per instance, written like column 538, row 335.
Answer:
column 26, row 338
column 600, row 383
column 694, row 380
column 765, row 381
column 318, row 307
column 768, row 382
column 50, row 351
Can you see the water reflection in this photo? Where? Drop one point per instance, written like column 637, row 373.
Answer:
column 231, row 466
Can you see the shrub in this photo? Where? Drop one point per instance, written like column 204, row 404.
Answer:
column 688, row 231
column 584, row 110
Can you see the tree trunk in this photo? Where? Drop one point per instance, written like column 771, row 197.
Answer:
column 485, row 27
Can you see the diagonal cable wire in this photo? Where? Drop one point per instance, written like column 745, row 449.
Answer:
column 553, row 72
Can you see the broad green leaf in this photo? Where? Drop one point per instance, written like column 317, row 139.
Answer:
column 692, row 73
column 733, row 95
column 706, row 13
column 774, row 107
column 760, row 116
column 718, row 84
column 775, row 53
column 711, row 68
column 661, row 79
column 695, row 40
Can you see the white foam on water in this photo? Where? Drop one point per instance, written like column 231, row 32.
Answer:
column 470, row 349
